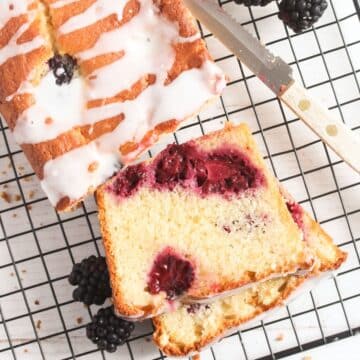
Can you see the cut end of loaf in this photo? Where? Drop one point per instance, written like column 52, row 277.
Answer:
column 189, row 330
column 238, row 233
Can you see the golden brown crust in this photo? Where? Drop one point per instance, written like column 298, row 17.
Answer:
column 117, row 297
column 18, row 68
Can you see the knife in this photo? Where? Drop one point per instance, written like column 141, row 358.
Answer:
column 277, row 75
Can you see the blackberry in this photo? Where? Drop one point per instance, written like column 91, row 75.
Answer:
column 253, row 2
column 92, row 278
column 170, row 273
column 108, row 331
column 63, row 67
column 300, row 15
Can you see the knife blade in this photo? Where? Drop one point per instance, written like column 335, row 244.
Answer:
column 277, row 75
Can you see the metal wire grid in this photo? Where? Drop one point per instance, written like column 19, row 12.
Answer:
column 45, row 243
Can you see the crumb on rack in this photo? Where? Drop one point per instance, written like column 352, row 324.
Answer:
column 14, row 215
column 308, row 357
column 5, row 196
column 79, row 320
column 38, row 324
column 24, row 271
column 27, row 178
column 196, row 357
column 280, row 337
column 17, row 197
column 29, row 207
column 31, row 194
column 147, row 339
column 12, row 274
column 5, row 186
column 37, row 302
column 26, row 350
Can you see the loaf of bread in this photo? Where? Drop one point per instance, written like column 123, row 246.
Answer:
column 193, row 327
column 201, row 219
column 87, row 85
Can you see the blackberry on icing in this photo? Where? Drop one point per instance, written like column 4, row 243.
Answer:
column 63, row 67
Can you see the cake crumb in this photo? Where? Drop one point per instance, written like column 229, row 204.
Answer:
column 5, row 186
column 17, row 197
column 308, row 357
column 5, row 196
column 26, row 350
column 12, row 274
column 279, row 337
column 37, row 302
column 28, row 178
column 196, row 357
column 31, row 194
column 24, row 271
column 147, row 339
column 29, row 207
column 38, row 324
column 14, row 215
column 79, row 320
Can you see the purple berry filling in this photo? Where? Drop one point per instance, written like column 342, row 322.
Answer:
column 297, row 213
column 170, row 273
column 128, row 181
column 225, row 171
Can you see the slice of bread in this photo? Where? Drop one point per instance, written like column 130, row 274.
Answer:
column 191, row 328
column 199, row 220
column 88, row 85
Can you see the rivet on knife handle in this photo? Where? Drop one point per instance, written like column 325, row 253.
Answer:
column 333, row 132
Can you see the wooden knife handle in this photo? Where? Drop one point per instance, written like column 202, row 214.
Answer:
column 333, row 132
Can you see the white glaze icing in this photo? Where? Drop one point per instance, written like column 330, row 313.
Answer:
column 138, row 40
column 69, row 174
column 12, row 48
column 97, row 11
column 58, row 103
column 19, row 7
column 147, row 43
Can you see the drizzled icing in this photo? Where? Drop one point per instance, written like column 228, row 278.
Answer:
column 10, row 9
column 55, row 111
column 97, row 11
column 146, row 42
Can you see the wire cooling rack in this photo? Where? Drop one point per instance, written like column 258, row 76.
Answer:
column 38, row 247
